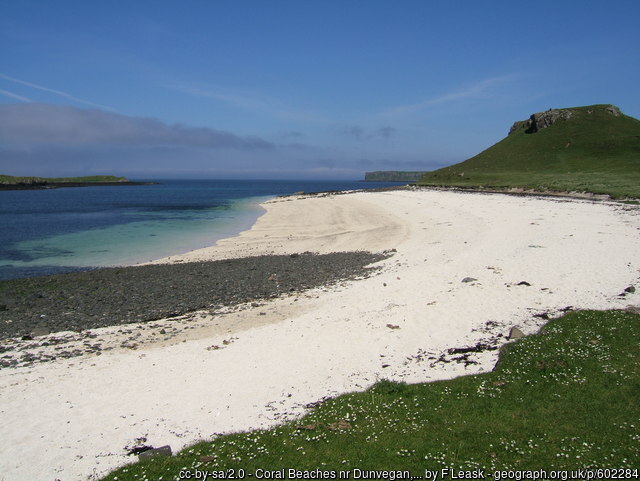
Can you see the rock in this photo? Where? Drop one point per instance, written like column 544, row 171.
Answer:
column 139, row 449
column 469, row 279
column 150, row 453
column 515, row 333
column 339, row 426
column 516, row 125
column 613, row 110
column 628, row 290
column 523, row 283
column 393, row 326
column 541, row 120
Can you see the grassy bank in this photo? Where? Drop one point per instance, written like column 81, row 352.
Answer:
column 566, row 398
column 615, row 185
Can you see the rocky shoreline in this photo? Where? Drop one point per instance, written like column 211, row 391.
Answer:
column 38, row 306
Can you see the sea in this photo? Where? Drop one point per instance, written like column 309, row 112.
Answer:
column 53, row 231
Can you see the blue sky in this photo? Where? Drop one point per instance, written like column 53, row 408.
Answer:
column 295, row 89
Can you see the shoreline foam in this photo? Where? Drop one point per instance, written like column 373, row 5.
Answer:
column 529, row 256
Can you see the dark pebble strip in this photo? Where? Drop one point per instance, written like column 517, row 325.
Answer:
column 121, row 295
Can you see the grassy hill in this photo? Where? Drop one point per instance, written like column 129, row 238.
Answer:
column 588, row 149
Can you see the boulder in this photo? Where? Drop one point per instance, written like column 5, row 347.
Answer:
column 542, row 120
column 515, row 333
column 613, row 110
column 150, row 453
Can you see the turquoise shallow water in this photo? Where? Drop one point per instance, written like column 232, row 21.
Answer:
column 140, row 240
column 61, row 230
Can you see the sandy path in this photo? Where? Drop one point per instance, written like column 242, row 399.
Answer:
column 72, row 418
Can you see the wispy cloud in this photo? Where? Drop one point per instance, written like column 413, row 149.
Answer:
column 250, row 101
column 53, row 91
column 386, row 132
column 359, row 133
column 64, row 125
column 11, row 95
column 476, row 90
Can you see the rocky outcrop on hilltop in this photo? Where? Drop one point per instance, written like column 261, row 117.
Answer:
column 542, row 120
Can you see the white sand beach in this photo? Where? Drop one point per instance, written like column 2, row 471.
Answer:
column 72, row 419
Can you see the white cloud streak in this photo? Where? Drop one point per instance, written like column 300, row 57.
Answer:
column 11, row 95
column 476, row 90
column 251, row 102
column 53, row 91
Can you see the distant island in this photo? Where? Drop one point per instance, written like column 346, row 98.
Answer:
column 392, row 176
column 593, row 149
column 9, row 182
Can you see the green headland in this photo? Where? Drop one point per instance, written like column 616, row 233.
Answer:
column 594, row 149
column 9, row 182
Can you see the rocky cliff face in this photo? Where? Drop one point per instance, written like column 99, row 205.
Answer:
column 542, row 120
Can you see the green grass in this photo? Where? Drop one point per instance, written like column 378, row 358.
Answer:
column 9, row 179
column 566, row 398
column 592, row 152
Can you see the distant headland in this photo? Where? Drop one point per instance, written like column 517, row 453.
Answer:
column 9, row 182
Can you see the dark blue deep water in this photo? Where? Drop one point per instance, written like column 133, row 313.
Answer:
column 60, row 230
